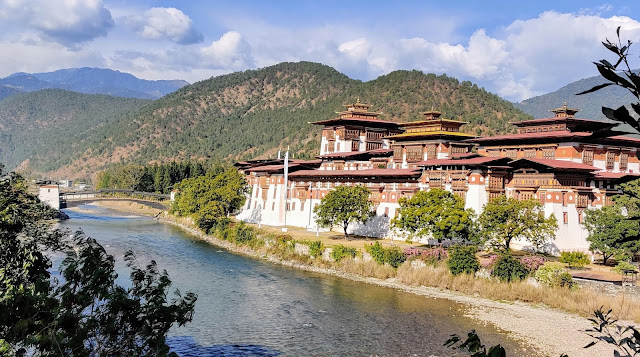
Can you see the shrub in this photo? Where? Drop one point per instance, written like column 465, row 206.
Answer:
column 463, row 260
column 412, row 252
column 490, row 262
column 376, row 251
column 340, row 251
column 434, row 255
column 508, row 268
column 553, row 276
column 315, row 248
column 392, row 256
column 283, row 239
column 243, row 233
column 533, row 262
column 622, row 266
column 574, row 259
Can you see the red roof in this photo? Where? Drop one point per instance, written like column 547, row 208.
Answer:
column 358, row 173
column 615, row 175
column 558, row 164
column 359, row 121
column 474, row 161
column 621, row 139
column 533, row 136
column 562, row 119
column 356, row 153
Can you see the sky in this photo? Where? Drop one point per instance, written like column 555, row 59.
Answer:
column 516, row 49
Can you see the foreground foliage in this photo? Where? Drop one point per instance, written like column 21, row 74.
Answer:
column 84, row 312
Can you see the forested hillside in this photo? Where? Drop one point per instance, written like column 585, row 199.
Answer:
column 43, row 126
column 590, row 105
column 253, row 113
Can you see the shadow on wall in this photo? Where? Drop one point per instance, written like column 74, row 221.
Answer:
column 256, row 215
column 548, row 248
column 377, row 226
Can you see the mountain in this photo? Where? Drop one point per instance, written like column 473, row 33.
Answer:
column 42, row 126
column 590, row 105
column 92, row 81
column 253, row 113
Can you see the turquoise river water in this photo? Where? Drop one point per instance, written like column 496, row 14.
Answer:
column 249, row 307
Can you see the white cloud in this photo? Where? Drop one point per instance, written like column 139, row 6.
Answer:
column 69, row 22
column 161, row 23
column 231, row 51
column 357, row 49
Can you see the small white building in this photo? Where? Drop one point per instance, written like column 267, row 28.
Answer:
column 50, row 194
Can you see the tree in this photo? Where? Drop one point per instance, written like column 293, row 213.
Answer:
column 344, row 205
column 436, row 212
column 87, row 314
column 504, row 219
column 609, row 231
column 224, row 185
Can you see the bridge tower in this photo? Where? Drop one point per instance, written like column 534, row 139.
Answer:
column 50, row 194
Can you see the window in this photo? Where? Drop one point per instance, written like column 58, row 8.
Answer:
column 431, row 152
column 386, row 212
column 580, row 216
column 512, row 153
column 530, row 153
column 397, row 153
column 611, row 158
column 565, row 217
column 293, row 206
column 624, row 161
column 414, row 153
column 549, row 154
column 274, row 193
column 273, row 206
column 587, row 157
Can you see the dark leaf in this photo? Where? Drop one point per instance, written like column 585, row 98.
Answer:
column 598, row 87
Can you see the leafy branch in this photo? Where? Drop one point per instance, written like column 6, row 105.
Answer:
column 621, row 76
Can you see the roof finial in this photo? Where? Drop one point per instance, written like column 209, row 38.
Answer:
column 564, row 104
column 358, row 100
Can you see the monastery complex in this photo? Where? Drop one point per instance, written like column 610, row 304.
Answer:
column 568, row 164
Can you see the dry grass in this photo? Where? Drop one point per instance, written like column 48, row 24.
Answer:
column 367, row 268
column 582, row 301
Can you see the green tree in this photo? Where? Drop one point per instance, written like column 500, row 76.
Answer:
column 87, row 314
column 225, row 186
column 504, row 219
column 343, row 206
column 609, row 231
column 436, row 212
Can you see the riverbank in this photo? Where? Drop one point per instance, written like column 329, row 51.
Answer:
column 547, row 331
column 129, row 207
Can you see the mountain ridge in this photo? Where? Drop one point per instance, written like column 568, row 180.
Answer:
column 90, row 80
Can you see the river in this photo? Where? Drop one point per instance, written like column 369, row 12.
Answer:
column 249, row 307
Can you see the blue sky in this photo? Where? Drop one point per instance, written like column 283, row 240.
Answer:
column 516, row 49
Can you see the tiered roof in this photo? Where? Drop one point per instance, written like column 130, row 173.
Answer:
column 432, row 127
column 358, row 114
